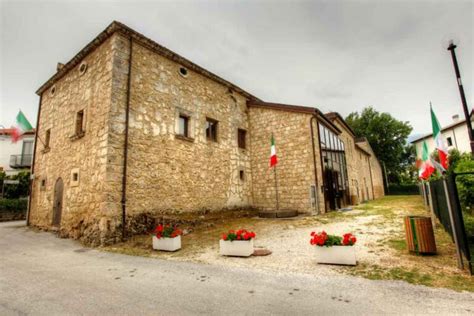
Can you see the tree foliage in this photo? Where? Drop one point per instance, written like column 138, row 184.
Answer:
column 388, row 138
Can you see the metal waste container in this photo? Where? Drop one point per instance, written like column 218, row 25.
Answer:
column 419, row 234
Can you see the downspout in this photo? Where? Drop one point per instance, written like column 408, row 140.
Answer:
column 33, row 163
column 125, row 146
column 316, row 188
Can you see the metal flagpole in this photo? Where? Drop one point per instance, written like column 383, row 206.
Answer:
column 453, row 227
column 276, row 188
column 430, row 201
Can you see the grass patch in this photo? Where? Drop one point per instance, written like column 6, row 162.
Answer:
column 398, row 244
column 459, row 282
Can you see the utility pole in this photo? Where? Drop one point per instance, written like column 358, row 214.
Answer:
column 463, row 96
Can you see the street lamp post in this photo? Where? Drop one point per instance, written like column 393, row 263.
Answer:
column 463, row 97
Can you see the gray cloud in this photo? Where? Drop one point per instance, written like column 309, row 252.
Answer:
column 337, row 55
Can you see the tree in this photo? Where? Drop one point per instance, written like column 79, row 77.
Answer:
column 388, row 138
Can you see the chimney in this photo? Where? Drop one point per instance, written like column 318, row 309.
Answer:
column 59, row 66
column 456, row 118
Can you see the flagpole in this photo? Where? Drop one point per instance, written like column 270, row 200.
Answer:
column 276, row 188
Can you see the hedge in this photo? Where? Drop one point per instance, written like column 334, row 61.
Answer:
column 13, row 205
column 403, row 189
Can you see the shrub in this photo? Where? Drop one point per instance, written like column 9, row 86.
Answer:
column 15, row 191
column 465, row 183
column 13, row 205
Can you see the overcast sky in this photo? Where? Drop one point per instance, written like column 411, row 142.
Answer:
column 335, row 55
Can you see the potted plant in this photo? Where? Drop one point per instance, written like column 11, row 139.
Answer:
column 167, row 238
column 237, row 243
column 334, row 249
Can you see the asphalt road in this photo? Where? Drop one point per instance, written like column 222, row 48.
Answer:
column 44, row 275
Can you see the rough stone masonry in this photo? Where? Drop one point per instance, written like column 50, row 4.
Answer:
column 131, row 130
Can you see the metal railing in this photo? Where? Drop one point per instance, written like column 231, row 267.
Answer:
column 21, row 161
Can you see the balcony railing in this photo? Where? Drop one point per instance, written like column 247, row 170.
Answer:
column 21, row 161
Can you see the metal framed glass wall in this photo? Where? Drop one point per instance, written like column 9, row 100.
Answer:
column 336, row 186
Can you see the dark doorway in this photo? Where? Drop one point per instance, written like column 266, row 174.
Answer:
column 58, row 202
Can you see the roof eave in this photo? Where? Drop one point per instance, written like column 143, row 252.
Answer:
column 115, row 27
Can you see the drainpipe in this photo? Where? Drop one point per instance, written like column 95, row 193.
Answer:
column 125, row 146
column 316, row 187
column 33, row 162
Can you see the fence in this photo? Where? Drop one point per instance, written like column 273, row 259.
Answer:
column 443, row 198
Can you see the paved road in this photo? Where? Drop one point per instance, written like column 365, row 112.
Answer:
column 44, row 275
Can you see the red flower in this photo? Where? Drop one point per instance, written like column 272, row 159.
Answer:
column 167, row 231
column 240, row 234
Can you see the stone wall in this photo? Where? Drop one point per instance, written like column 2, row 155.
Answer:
column 376, row 170
column 295, row 168
column 364, row 180
column 170, row 173
column 90, row 91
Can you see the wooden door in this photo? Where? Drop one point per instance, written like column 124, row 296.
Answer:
column 58, row 202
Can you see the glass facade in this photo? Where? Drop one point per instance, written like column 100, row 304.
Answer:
column 336, row 188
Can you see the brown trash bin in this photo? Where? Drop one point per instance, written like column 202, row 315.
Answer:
column 419, row 234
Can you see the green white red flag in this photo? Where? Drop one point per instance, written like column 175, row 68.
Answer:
column 426, row 168
column 439, row 141
column 273, row 155
column 21, row 127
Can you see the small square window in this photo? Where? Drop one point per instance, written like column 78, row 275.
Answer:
column 241, row 138
column 183, row 125
column 75, row 177
column 450, row 141
column 211, row 129
column 80, row 122
column 242, row 175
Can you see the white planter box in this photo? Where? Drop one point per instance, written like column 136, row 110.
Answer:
column 336, row 255
column 237, row 248
column 167, row 244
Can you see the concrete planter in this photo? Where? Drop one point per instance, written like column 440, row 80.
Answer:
column 336, row 255
column 167, row 244
column 236, row 248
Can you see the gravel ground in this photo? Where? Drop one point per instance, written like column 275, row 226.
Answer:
column 291, row 250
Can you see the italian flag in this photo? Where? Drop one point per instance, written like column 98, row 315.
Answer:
column 426, row 168
column 439, row 140
column 22, row 126
column 273, row 155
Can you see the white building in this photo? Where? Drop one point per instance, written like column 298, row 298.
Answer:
column 455, row 134
column 18, row 156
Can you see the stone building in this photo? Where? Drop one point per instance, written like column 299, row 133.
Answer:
column 132, row 128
